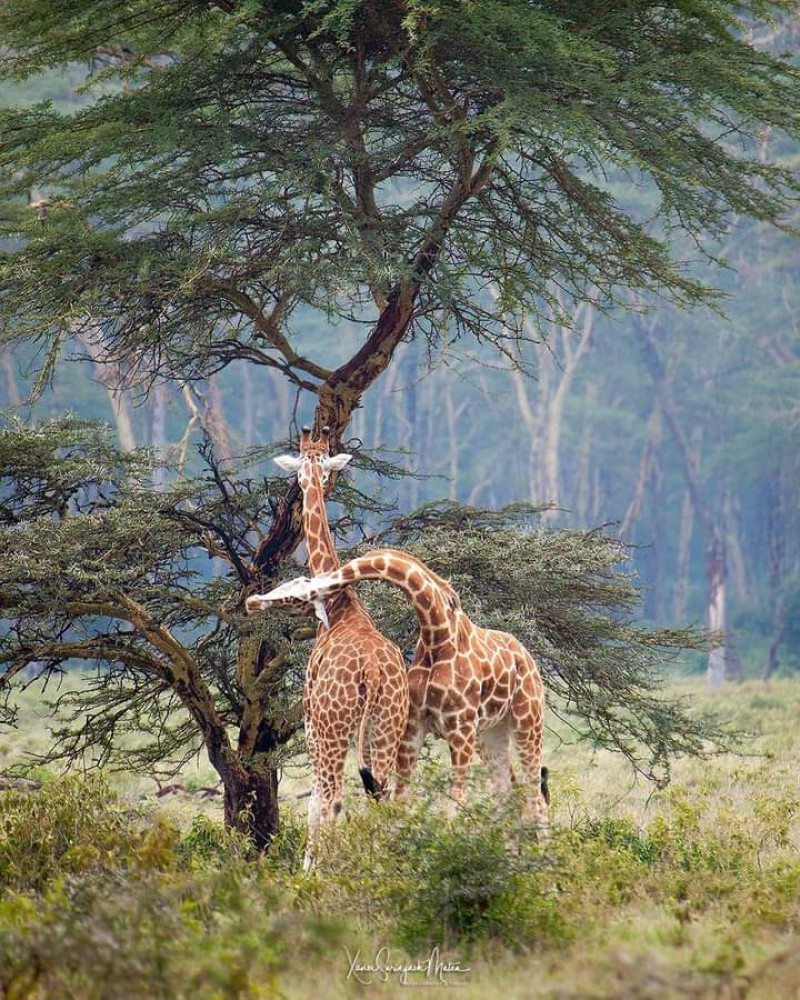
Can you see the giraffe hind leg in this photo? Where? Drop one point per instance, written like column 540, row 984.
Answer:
column 386, row 734
column 408, row 752
column 462, row 743
column 493, row 745
column 527, row 719
column 529, row 749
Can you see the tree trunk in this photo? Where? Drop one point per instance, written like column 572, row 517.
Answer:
column 251, row 804
column 248, row 407
column 685, row 538
column 646, row 466
column 775, row 549
column 716, row 568
column 158, row 432
column 585, row 461
column 684, row 557
column 13, row 397
column 736, row 560
column 717, row 617
column 655, row 597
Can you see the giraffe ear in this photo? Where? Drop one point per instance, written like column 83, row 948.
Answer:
column 338, row 462
column 289, row 463
column 320, row 612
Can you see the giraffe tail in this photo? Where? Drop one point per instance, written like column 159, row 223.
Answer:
column 544, row 779
column 372, row 787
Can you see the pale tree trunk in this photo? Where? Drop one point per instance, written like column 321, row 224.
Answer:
column 530, row 423
column 776, row 558
column 596, row 505
column 684, row 558
column 543, row 420
column 248, row 408
column 736, row 561
column 12, row 391
column 717, row 610
column 585, row 461
column 656, row 544
column 158, row 431
column 453, row 415
column 685, row 540
column 716, row 560
column 646, row 464
column 111, row 378
column 402, row 409
column 571, row 355
column 734, row 670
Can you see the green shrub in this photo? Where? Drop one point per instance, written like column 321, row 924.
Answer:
column 107, row 937
column 427, row 880
column 73, row 825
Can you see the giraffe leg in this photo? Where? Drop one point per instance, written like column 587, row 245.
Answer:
column 314, row 801
column 408, row 753
column 327, row 756
column 334, row 754
column 386, row 733
column 313, row 828
column 493, row 747
column 527, row 720
column 529, row 748
column 462, row 742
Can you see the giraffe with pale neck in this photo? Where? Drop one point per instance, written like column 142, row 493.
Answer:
column 356, row 678
column 475, row 688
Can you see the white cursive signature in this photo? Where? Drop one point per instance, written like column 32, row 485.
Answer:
column 431, row 971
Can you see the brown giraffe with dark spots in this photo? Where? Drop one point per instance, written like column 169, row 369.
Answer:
column 356, row 678
column 475, row 688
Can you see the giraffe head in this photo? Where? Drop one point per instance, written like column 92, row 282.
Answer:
column 300, row 596
column 314, row 460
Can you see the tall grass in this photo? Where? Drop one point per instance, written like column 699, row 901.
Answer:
column 694, row 892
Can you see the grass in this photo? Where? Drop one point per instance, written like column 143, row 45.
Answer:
column 107, row 891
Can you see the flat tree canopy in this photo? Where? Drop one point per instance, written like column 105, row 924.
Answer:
column 239, row 171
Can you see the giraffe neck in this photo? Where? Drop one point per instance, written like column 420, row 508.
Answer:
column 322, row 556
column 435, row 603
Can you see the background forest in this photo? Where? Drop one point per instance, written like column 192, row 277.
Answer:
column 666, row 425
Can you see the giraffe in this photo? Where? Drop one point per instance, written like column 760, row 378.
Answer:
column 356, row 678
column 473, row 687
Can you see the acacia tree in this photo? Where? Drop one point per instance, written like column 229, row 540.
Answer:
column 102, row 567
column 242, row 170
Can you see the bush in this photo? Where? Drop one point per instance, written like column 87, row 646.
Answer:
column 426, row 880
column 74, row 825
column 104, row 902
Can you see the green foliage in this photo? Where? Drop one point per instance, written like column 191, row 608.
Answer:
column 100, row 900
column 74, row 826
column 117, row 902
column 478, row 877
column 265, row 157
